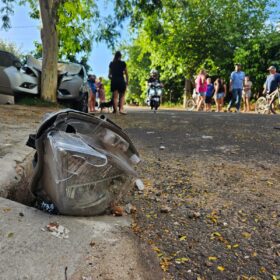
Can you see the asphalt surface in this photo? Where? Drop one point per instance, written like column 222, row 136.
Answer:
column 210, row 209
column 231, row 135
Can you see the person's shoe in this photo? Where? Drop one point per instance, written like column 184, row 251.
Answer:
column 123, row 113
column 237, row 111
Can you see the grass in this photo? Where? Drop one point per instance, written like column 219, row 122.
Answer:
column 34, row 101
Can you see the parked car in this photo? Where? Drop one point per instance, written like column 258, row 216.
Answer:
column 18, row 79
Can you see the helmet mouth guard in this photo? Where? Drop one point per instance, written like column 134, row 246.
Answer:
column 83, row 165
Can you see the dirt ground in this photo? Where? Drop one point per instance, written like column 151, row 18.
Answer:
column 210, row 208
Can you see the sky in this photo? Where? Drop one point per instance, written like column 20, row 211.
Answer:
column 25, row 31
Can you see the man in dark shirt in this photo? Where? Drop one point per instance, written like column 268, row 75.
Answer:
column 272, row 80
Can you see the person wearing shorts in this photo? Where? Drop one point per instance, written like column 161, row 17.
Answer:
column 247, row 93
column 117, row 71
column 208, row 95
column 92, row 93
column 201, row 88
column 219, row 94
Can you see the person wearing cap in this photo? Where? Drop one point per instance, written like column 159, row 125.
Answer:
column 272, row 80
column 236, row 86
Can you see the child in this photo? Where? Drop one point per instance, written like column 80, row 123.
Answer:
column 209, row 94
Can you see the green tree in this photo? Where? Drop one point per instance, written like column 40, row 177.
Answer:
column 183, row 36
column 257, row 54
column 10, row 47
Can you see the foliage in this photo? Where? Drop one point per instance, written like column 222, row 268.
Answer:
column 257, row 54
column 181, row 37
column 34, row 101
column 10, row 47
column 73, row 27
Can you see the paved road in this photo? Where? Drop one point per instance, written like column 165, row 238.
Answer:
column 235, row 136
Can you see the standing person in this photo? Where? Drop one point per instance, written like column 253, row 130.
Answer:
column 92, row 92
column 201, row 88
column 101, row 92
column 225, row 92
column 236, row 86
column 209, row 94
column 247, row 93
column 220, row 91
column 117, row 70
column 272, row 80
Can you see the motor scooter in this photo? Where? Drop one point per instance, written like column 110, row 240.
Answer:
column 154, row 95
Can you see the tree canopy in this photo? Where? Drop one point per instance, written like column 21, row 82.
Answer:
column 180, row 37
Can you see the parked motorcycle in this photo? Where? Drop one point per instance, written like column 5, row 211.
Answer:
column 154, row 95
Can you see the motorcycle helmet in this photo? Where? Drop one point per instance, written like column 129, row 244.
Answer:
column 154, row 72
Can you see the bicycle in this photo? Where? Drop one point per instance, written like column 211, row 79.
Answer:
column 191, row 103
column 269, row 103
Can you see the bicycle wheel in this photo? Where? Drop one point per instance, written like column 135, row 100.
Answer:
column 190, row 105
column 261, row 106
column 275, row 105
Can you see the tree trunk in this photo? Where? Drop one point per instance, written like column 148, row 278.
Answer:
column 187, row 91
column 49, row 38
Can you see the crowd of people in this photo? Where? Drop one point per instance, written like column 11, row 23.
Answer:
column 240, row 88
column 206, row 90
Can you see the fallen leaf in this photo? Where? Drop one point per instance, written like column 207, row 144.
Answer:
column 221, row 268
column 181, row 260
column 262, row 269
column 117, row 211
column 246, row 234
column 184, row 237
column 10, row 234
column 164, row 264
column 212, row 258
column 5, row 210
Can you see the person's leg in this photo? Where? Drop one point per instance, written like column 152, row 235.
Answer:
column 91, row 107
column 247, row 102
column 200, row 102
column 222, row 103
column 233, row 98
column 93, row 102
column 115, row 101
column 216, row 102
column 122, row 101
column 238, row 98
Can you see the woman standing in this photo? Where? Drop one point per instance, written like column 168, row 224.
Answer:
column 117, row 71
column 201, row 88
column 246, row 93
column 220, row 91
